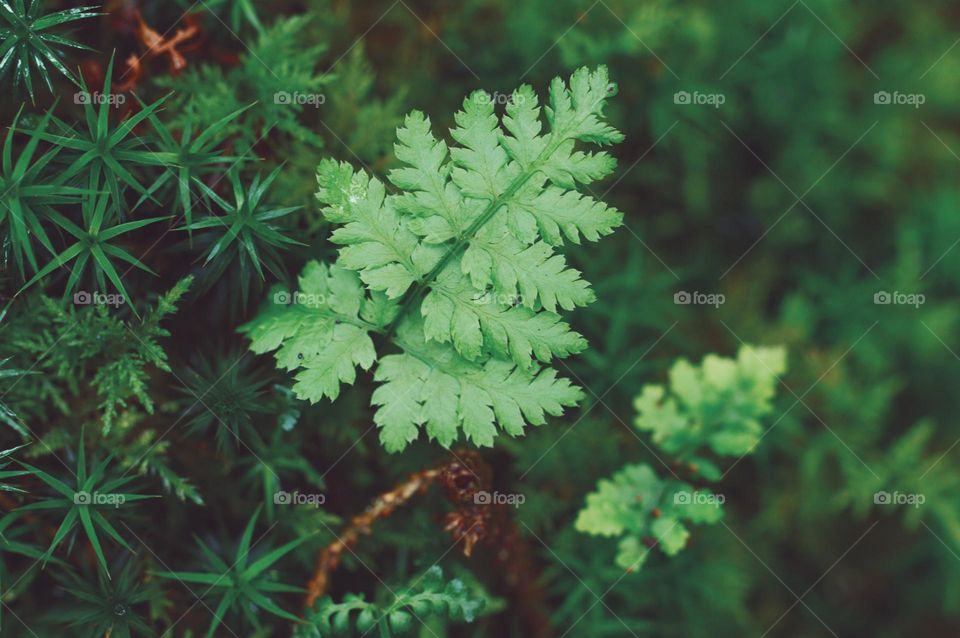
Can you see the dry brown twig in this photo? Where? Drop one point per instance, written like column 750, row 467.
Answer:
column 472, row 521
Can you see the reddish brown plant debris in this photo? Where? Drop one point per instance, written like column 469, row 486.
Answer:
column 159, row 45
column 474, row 521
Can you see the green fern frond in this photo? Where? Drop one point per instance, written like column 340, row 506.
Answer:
column 458, row 269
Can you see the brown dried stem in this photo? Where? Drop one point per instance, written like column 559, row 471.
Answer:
column 474, row 520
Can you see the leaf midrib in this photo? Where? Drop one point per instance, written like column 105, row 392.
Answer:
column 420, row 287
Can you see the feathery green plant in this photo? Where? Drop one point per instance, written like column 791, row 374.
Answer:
column 715, row 407
column 429, row 595
column 277, row 67
column 645, row 511
column 113, row 353
column 458, row 269
column 26, row 41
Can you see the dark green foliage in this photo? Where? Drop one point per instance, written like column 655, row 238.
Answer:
column 103, row 154
column 278, row 64
column 193, row 158
column 28, row 195
column 8, row 474
column 242, row 583
column 107, row 606
column 94, row 245
column 80, row 341
column 224, row 395
column 234, row 13
column 84, row 502
column 7, row 416
column 244, row 237
column 269, row 461
column 27, row 42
